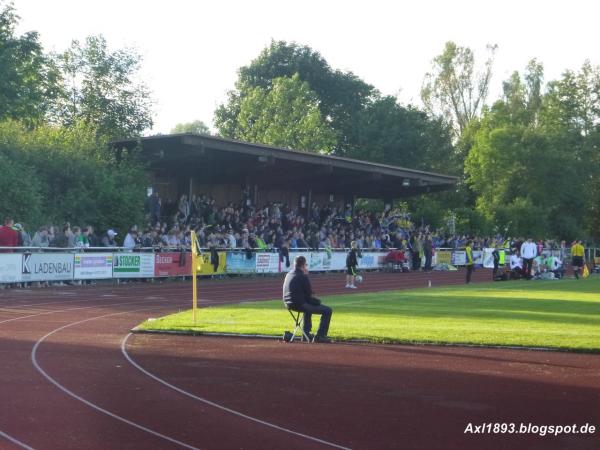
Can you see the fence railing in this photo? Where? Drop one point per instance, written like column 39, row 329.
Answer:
column 30, row 264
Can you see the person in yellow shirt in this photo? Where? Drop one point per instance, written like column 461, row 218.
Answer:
column 469, row 251
column 577, row 257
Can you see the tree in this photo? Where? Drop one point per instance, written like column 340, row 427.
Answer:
column 286, row 115
column 197, row 126
column 56, row 174
column 453, row 90
column 28, row 80
column 390, row 133
column 341, row 95
column 101, row 89
column 533, row 159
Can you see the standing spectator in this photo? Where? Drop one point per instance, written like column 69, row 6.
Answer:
column 415, row 250
column 62, row 239
column 528, row 253
column 93, row 238
column 577, row 257
column 8, row 236
column 155, row 204
column 469, row 251
column 41, row 238
column 428, row 251
column 109, row 239
column 130, row 240
column 80, row 238
column 24, row 237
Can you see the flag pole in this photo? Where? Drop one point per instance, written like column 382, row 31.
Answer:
column 194, row 275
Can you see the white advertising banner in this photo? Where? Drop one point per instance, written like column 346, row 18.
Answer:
column 459, row 258
column 46, row 266
column 267, row 262
column 10, row 268
column 92, row 266
column 488, row 258
column 133, row 265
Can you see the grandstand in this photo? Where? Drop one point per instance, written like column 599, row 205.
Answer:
column 226, row 169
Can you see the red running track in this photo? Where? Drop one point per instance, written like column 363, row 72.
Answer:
column 71, row 377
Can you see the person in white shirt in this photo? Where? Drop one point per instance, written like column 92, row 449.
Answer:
column 516, row 265
column 129, row 242
column 528, row 253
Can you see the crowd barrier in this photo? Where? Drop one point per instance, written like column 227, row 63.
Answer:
column 98, row 264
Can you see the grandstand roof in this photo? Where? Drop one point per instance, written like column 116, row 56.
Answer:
column 218, row 160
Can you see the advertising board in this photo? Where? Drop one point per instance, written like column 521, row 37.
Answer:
column 46, row 266
column 173, row 264
column 133, row 265
column 92, row 266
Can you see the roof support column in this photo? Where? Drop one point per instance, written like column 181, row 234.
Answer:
column 349, row 200
column 308, row 205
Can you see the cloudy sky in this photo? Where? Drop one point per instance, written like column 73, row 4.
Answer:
column 191, row 49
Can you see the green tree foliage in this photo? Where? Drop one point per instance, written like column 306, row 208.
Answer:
column 342, row 95
column 532, row 162
column 56, row 174
column 197, row 126
column 390, row 133
column 286, row 115
column 28, row 80
column 101, row 90
column 453, row 89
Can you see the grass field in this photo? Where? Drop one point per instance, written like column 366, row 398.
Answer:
column 555, row 314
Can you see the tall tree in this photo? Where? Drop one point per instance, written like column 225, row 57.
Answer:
column 533, row 158
column 286, row 115
column 197, row 126
column 28, row 80
column 101, row 89
column 342, row 95
column 453, row 89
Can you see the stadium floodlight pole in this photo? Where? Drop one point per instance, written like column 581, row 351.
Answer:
column 194, row 274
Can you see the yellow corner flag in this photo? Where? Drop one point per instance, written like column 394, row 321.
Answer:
column 195, row 258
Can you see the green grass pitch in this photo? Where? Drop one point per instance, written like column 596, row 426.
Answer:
column 554, row 314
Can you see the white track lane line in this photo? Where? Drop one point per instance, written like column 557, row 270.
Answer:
column 87, row 402
column 221, row 407
column 15, row 441
column 100, row 306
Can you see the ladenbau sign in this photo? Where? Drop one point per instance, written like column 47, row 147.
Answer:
column 46, row 266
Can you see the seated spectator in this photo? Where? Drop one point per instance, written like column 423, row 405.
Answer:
column 516, row 265
column 555, row 265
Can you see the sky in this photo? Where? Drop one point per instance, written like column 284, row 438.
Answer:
column 191, row 49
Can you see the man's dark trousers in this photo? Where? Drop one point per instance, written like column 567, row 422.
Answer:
column 310, row 309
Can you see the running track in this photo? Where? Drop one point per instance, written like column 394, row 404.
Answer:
column 72, row 377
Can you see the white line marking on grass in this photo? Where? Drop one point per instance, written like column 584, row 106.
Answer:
column 15, row 441
column 87, row 402
column 216, row 405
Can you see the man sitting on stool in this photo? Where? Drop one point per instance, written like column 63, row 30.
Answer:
column 298, row 296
